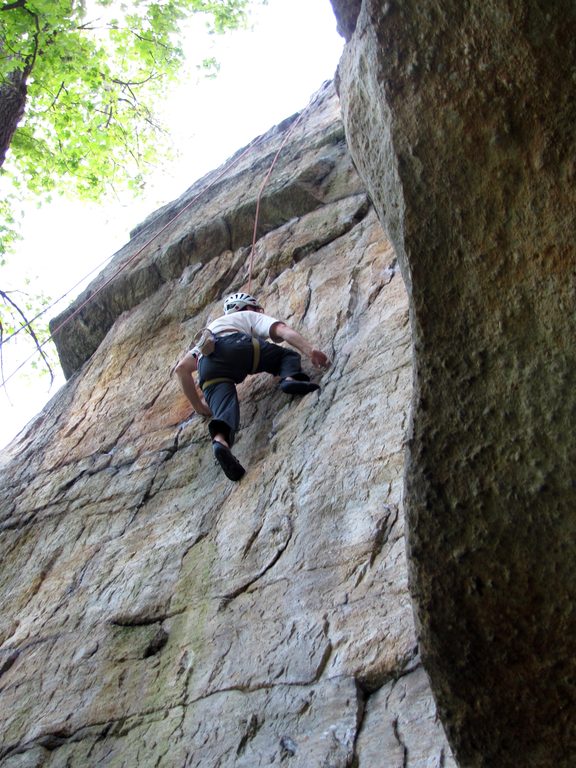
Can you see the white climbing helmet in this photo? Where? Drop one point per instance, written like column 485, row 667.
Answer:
column 237, row 301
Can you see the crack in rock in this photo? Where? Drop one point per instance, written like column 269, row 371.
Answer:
column 398, row 737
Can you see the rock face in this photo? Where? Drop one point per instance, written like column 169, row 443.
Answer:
column 460, row 118
column 155, row 614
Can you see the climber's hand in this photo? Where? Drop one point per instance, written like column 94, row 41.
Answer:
column 319, row 359
column 202, row 408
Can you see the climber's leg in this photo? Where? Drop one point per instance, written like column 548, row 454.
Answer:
column 229, row 463
column 287, row 364
column 295, row 387
column 222, row 400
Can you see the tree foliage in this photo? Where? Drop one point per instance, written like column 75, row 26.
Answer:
column 79, row 82
column 81, row 79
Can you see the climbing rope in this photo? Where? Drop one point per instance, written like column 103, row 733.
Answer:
column 53, row 304
column 115, row 274
column 261, row 190
column 226, row 168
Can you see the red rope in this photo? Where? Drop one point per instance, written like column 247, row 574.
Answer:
column 115, row 274
column 261, row 190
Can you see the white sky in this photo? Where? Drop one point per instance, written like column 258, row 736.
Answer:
column 266, row 74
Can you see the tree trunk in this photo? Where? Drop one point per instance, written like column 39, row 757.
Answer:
column 12, row 103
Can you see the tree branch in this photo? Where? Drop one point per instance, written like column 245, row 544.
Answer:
column 32, row 333
column 129, row 83
column 15, row 4
column 55, row 99
column 2, row 377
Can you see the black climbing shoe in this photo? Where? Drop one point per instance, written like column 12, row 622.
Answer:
column 229, row 463
column 298, row 387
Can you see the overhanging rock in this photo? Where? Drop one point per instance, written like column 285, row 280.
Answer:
column 460, row 118
column 215, row 214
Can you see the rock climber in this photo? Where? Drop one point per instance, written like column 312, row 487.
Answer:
column 241, row 348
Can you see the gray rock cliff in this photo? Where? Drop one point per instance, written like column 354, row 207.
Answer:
column 460, row 117
column 152, row 612
column 155, row 615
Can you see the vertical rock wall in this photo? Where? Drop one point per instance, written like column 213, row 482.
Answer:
column 460, row 118
column 151, row 612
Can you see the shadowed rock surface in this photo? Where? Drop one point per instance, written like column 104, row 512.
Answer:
column 460, row 118
column 151, row 612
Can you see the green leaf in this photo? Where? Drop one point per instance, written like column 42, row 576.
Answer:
column 90, row 123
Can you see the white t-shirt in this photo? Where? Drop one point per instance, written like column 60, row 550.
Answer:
column 252, row 323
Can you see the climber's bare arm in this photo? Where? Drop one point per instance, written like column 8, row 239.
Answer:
column 283, row 332
column 184, row 370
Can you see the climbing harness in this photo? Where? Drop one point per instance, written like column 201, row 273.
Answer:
column 219, row 380
column 204, row 342
column 255, row 364
column 256, row 355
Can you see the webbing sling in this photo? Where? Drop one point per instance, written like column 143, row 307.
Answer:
column 255, row 364
column 216, row 381
column 256, row 354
